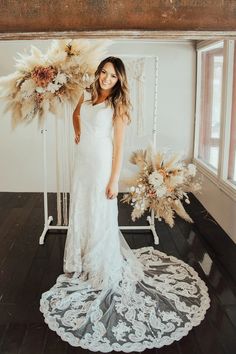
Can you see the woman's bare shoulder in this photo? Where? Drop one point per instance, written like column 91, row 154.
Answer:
column 80, row 101
column 85, row 96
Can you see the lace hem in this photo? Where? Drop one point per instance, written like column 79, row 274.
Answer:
column 177, row 293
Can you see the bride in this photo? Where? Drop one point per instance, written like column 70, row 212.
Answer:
column 111, row 297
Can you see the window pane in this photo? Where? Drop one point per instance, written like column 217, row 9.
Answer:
column 210, row 105
column 232, row 152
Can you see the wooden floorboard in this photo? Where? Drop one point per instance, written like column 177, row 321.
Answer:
column 28, row 269
column 54, row 344
column 34, row 338
column 13, row 338
column 207, row 340
column 188, row 345
column 214, row 236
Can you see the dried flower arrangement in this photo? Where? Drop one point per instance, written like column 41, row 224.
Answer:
column 43, row 81
column 162, row 182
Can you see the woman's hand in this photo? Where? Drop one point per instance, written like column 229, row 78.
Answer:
column 77, row 137
column 112, row 190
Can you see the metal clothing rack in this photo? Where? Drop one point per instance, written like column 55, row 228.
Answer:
column 48, row 219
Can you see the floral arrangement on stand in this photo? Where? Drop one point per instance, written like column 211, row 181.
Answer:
column 42, row 82
column 161, row 184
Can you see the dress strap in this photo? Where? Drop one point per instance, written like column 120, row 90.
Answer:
column 87, row 95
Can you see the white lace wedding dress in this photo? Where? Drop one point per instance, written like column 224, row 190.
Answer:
column 115, row 298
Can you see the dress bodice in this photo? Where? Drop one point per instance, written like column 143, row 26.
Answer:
column 96, row 120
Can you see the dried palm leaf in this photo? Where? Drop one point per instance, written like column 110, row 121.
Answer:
column 158, row 160
column 26, row 63
column 138, row 158
column 171, row 163
column 179, row 209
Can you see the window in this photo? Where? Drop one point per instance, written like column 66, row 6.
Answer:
column 215, row 129
column 232, row 149
column 210, row 105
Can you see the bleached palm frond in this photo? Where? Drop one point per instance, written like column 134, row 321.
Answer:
column 130, row 181
column 138, row 157
column 54, row 106
column 42, row 112
column 158, row 160
column 169, row 218
column 45, row 106
column 8, row 84
column 179, row 209
column 56, row 54
column 26, row 62
column 136, row 214
column 80, row 54
column 172, row 162
column 96, row 53
column 9, row 78
column 16, row 114
column 28, row 109
column 57, row 45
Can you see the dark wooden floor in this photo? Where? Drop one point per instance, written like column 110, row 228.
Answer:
column 28, row 269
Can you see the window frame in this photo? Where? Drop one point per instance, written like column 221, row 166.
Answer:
column 220, row 176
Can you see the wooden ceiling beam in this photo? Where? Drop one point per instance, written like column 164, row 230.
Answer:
column 84, row 16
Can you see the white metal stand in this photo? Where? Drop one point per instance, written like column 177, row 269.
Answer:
column 49, row 219
column 150, row 227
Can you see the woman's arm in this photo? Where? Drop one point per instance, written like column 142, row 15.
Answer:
column 118, row 142
column 76, row 119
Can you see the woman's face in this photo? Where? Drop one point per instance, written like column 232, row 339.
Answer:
column 107, row 77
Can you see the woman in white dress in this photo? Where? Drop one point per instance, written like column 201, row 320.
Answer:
column 110, row 297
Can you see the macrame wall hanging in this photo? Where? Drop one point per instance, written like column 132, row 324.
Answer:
column 136, row 76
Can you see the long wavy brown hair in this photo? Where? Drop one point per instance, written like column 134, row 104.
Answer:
column 119, row 97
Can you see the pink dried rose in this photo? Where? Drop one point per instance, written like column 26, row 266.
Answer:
column 38, row 98
column 43, row 75
column 151, row 193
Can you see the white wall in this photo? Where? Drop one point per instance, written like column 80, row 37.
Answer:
column 176, row 89
column 220, row 205
column 21, row 150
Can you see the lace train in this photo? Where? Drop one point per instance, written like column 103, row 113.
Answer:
column 130, row 315
column 116, row 299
